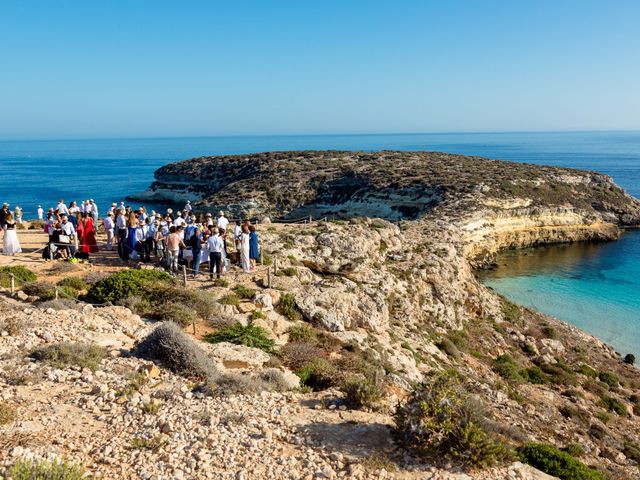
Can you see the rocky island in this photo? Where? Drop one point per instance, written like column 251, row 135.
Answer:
column 371, row 351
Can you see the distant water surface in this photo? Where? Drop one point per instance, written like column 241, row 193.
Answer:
column 594, row 287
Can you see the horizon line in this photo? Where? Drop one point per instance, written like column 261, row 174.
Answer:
column 362, row 134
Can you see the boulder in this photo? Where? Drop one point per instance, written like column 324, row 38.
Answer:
column 263, row 301
column 237, row 356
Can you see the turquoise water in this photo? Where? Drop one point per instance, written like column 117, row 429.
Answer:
column 593, row 286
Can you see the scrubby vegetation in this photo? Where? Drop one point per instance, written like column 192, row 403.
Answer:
column 21, row 275
column 288, row 307
column 361, row 392
column 243, row 292
column 61, row 355
column 7, row 413
column 555, row 462
column 124, row 284
column 45, row 470
column 440, row 422
column 251, row 336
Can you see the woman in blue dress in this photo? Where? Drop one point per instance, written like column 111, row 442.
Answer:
column 253, row 246
column 132, row 225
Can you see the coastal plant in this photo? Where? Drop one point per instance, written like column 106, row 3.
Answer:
column 230, row 299
column 507, row 368
column 73, row 282
column 438, row 422
column 587, row 371
column 250, row 336
column 27, row 469
column 287, row 307
column 631, row 450
column 7, row 413
column 123, row 284
column 244, row 293
column 62, row 355
column 179, row 313
column 318, row 373
column 557, row 463
column 302, row 332
column 258, row 315
column 221, row 282
column 169, row 346
column 611, row 379
column 448, row 347
column 614, row 405
column 155, row 443
column 288, row 272
column 361, row 392
column 21, row 275
column 575, row 450
column 274, row 378
column 510, row 311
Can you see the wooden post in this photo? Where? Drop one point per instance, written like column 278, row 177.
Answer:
column 310, row 219
column 56, row 288
column 193, row 322
column 269, row 277
column 184, row 275
column 13, row 284
column 275, row 265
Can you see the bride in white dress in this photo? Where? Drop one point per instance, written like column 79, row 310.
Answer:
column 10, row 244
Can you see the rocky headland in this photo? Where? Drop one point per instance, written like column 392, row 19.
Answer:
column 373, row 317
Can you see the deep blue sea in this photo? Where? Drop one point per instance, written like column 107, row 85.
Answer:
column 596, row 287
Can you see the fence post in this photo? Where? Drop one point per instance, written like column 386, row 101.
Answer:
column 193, row 322
column 50, row 251
column 269, row 277
column 184, row 275
column 310, row 219
column 56, row 289
column 13, row 284
column 275, row 265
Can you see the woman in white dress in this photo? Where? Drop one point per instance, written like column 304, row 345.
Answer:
column 10, row 245
column 244, row 249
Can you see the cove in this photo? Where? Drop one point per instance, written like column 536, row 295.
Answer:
column 593, row 286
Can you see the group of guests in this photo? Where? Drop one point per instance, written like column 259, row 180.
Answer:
column 8, row 221
column 71, row 230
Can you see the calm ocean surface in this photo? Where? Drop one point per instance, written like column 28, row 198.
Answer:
column 596, row 287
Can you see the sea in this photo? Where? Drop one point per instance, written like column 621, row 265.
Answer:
column 594, row 286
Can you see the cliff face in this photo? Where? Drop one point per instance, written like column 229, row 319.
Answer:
column 495, row 204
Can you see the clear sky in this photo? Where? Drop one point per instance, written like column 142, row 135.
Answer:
column 73, row 69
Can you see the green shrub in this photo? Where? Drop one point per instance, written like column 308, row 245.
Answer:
column 575, row 450
column 560, row 374
column 587, row 371
column 318, row 373
column 288, row 272
column 511, row 311
column 302, row 332
column 61, row 355
column 251, row 336
column 7, row 413
column 535, row 375
column 288, row 307
column 73, row 282
column 548, row 331
column 458, row 337
column 266, row 259
column 361, row 392
column 124, row 284
column 155, row 443
column 257, row 315
column 439, row 423
column 21, row 275
column 507, row 368
column 169, row 346
column 45, row 470
column 555, row 462
column 244, row 292
column 179, row 313
column 632, row 450
column 221, row 282
column 44, row 291
column 230, row 299
column 614, row 405
column 609, row 378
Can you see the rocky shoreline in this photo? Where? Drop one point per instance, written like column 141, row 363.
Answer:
column 397, row 293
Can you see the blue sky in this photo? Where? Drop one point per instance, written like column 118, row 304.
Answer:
column 74, row 69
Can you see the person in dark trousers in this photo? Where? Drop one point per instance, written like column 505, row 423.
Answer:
column 195, row 242
column 216, row 247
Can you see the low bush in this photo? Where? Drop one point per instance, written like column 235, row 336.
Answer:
column 575, row 413
column 587, row 371
column 288, row 272
column 60, row 304
column 535, row 375
column 510, row 311
column 288, row 307
column 124, row 284
column 555, row 462
column 250, row 336
column 230, row 299
column 7, row 413
column 244, row 292
column 448, row 347
column 361, row 393
column 614, row 405
column 21, row 275
column 27, row 469
column 507, row 368
column 257, row 315
column 549, row 331
column 611, row 379
column 179, row 313
column 302, row 332
column 318, row 373
column 76, row 283
column 36, row 225
column 275, row 379
column 632, row 450
column 560, row 374
column 438, row 423
column 155, row 443
column 62, row 355
column 575, row 450
column 169, row 346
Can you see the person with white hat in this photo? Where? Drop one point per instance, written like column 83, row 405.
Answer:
column 187, row 208
column 109, row 227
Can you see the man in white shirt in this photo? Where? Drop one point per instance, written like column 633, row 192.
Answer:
column 62, row 208
column 69, row 230
column 93, row 211
column 222, row 220
column 216, row 247
column 109, row 226
column 40, row 212
column 112, row 209
column 179, row 221
column 188, row 208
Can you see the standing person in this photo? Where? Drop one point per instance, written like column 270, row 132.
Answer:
column 68, row 230
column 62, row 208
column 89, row 244
column 159, row 238
column 174, row 243
column 40, row 212
column 74, row 213
column 18, row 215
column 121, row 229
column 109, row 227
column 10, row 243
column 244, row 249
column 3, row 215
column 179, row 221
column 132, row 225
column 222, row 220
column 216, row 247
column 195, row 242
column 187, row 208
column 149, row 239
column 254, row 253
column 94, row 211
column 112, row 209
column 237, row 237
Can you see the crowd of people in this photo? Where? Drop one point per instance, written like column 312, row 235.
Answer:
column 172, row 239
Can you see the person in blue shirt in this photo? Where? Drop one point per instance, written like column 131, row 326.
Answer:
column 253, row 246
